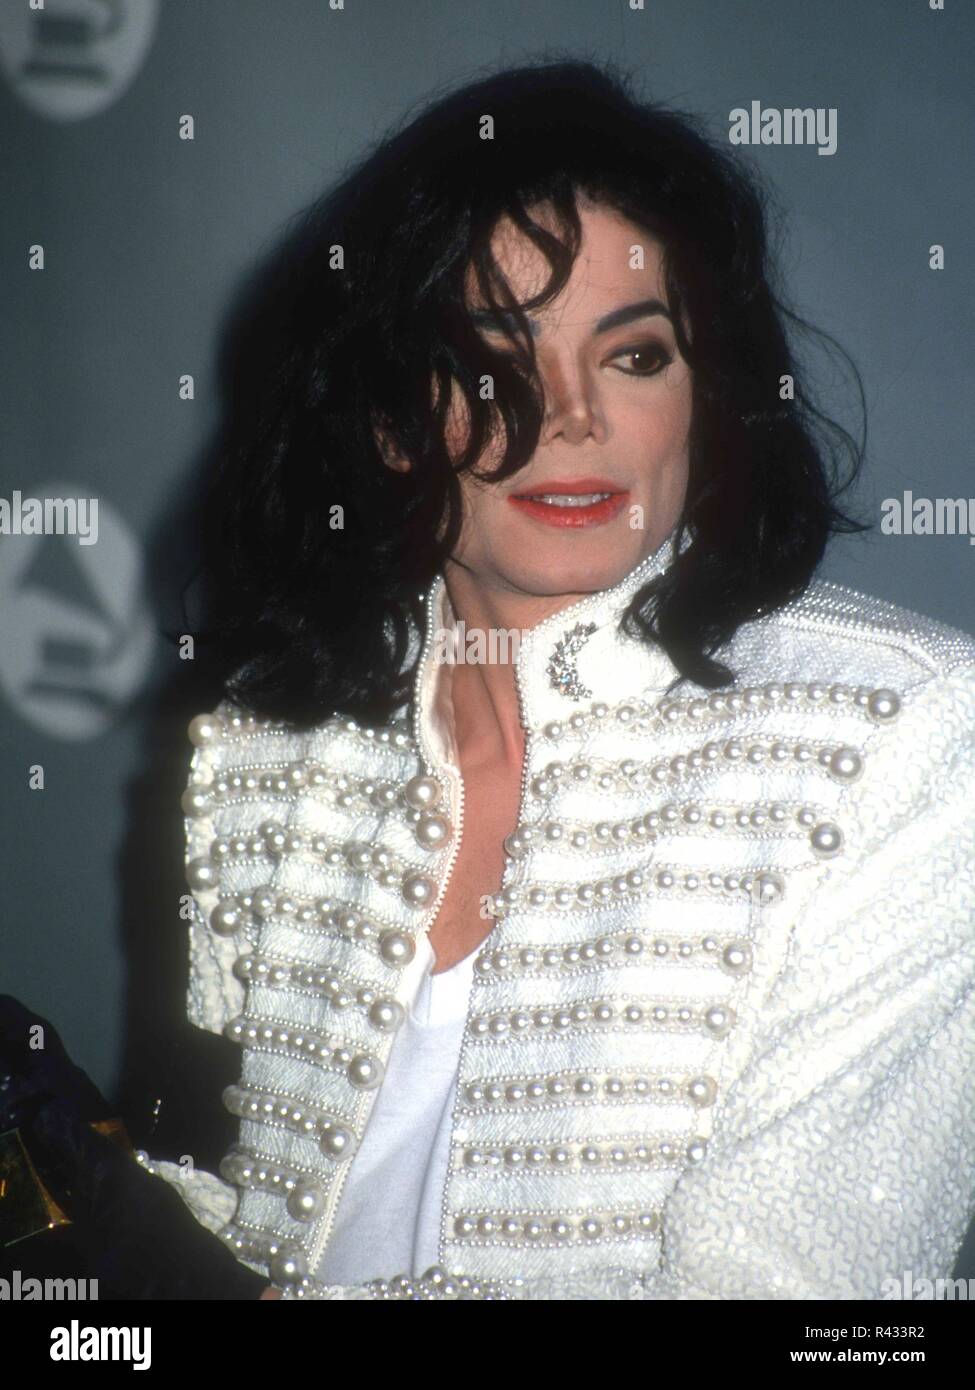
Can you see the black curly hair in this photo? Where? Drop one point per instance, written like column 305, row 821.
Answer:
column 365, row 306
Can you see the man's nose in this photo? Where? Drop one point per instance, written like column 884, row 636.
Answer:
column 572, row 407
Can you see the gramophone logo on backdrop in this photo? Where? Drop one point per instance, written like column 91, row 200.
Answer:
column 75, row 631
column 68, row 59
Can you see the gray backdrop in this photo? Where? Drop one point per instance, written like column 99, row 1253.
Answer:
column 148, row 239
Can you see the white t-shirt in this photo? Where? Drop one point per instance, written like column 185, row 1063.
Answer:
column 388, row 1217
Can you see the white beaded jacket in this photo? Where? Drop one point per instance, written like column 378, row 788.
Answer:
column 720, row 1040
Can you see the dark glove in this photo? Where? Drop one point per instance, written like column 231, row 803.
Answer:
column 138, row 1237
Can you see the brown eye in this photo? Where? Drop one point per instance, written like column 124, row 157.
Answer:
column 648, row 360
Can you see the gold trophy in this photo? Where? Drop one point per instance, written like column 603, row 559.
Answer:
column 26, row 1206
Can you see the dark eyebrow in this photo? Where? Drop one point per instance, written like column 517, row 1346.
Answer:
column 643, row 308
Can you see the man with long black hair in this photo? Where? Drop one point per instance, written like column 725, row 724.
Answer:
column 638, row 964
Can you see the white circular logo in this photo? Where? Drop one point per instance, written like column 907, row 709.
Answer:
column 68, row 59
column 76, row 634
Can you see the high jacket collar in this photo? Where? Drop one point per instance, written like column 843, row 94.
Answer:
column 567, row 662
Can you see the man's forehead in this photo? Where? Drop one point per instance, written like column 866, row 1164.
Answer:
column 595, row 278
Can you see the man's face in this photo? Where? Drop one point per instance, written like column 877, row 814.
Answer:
column 618, row 412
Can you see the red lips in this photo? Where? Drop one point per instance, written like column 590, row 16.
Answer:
column 568, row 514
column 572, row 488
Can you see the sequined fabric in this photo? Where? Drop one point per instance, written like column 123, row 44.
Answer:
column 721, row 1038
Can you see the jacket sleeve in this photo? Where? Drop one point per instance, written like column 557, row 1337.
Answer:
column 842, row 1157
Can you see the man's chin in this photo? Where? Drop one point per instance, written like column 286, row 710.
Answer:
column 568, row 579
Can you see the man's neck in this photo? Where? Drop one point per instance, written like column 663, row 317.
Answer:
column 487, row 721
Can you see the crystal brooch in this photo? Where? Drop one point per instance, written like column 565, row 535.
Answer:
column 561, row 667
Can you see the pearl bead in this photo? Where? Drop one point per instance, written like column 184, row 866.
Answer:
column 515, row 845
column 702, row 1090
column 736, row 957
column 306, row 1202
column 433, row 831
column 387, row 1015
column 845, row 764
column 365, row 1073
column 204, row 729
column 826, row 840
column 335, row 1141
column 202, row 873
column 195, row 801
column 233, row 1099
column 231, row 1168
column 883, row 705
column 422, row 793
column 418, row 890
column 767, row 887
column 225, row 919
column 719, row 1020
column 287, row 1267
